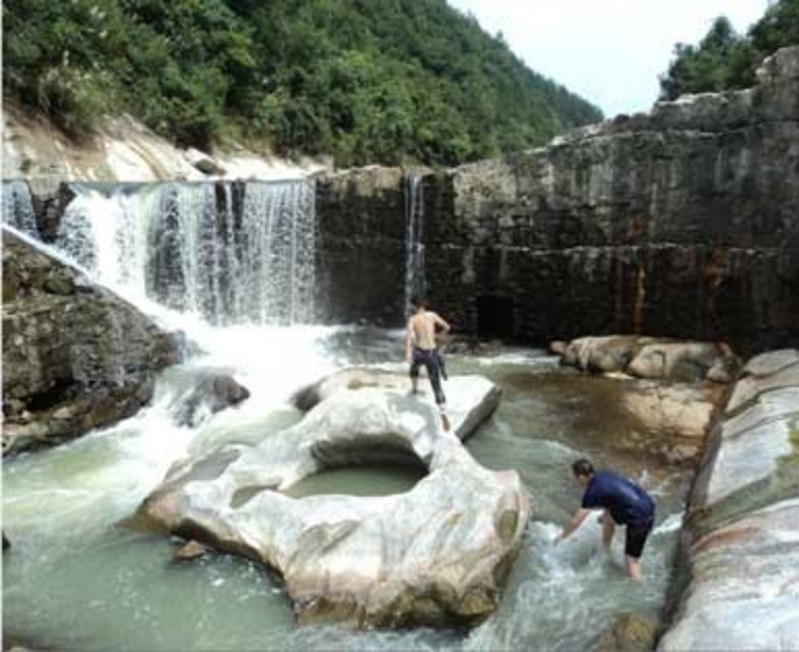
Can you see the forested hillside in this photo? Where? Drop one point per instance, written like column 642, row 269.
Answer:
column 725, row 59
column 368, row 81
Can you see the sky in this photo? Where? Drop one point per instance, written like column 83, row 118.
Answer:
column 610, row 52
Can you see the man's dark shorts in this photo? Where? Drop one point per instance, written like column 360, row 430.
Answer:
column 636, row 538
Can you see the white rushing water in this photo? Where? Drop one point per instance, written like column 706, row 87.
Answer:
column 182, row 246
column 415, row 281
column 109, row 235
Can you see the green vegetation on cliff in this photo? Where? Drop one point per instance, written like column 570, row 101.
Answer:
column 365, row 80
column 724, row 59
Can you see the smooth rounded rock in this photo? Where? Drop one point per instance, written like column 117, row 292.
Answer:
column 436, row 554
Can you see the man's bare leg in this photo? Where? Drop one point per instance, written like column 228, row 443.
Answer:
column 633, row 568
column 608, row 529
column 444, row 418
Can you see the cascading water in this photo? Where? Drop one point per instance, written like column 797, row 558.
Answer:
column 184, row 247
column 18, row 207
column 415, row 282
column 278, row 269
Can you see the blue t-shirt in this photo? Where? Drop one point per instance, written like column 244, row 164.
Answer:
column 627, row 502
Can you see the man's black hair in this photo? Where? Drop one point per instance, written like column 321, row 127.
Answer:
column 418, row 301
column 582, row 467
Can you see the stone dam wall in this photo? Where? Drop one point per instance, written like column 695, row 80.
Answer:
column 683, row 222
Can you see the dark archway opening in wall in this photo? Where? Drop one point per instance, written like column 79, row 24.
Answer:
column 495, row 316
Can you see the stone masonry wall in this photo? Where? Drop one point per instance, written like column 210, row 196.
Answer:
column 361, row 246
column 683, row 222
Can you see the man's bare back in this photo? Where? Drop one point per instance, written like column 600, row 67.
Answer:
column 420, row 349
column 423, row 327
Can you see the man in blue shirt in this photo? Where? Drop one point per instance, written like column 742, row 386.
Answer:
column 624, row 502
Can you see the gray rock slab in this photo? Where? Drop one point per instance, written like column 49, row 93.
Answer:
column 769, row 363
column 749, row 387
column 744, row 594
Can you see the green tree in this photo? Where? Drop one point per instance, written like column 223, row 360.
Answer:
column 387, row 81
column 725, row 60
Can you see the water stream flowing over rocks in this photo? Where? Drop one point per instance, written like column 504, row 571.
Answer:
column 230, row 254
column 682, row 223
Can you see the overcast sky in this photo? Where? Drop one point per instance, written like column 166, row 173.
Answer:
column 608, row 51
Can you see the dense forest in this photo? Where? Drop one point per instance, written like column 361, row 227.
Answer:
column 725, row 59
column 368, row 81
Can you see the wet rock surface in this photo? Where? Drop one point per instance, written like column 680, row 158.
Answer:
column 213, row 392
column 436, row 554
column 630, row 632
column 75, row 357
column 742, row 523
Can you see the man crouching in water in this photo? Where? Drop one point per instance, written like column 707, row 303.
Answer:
column 420, row 349
column 624, row 502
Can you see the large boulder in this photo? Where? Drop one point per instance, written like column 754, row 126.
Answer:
column 651, row 358
column 753, row 459
column 436, row 554
column 742, row 522
column 744, row 594
column 75, row 356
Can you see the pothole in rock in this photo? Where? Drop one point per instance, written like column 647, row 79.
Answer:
column 368, row 480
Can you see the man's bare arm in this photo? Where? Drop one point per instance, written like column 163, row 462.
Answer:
column 576, row 521
column 408, row 340
column 440, row 322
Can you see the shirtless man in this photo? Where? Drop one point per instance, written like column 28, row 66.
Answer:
column 420, row 349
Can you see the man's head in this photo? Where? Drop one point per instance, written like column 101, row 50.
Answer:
column 583, row 470
column 418, row 303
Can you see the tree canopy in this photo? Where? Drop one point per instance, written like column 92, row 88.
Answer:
column 725, row 59
column 368, row 81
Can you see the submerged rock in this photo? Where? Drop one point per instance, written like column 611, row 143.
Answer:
column 75, row 357
column 214, row 392
column 630, row 632
column 678, row 409
column 436, row 554
column 190, row 551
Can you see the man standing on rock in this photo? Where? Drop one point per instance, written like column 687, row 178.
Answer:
column 624, row 502
column 420, row 349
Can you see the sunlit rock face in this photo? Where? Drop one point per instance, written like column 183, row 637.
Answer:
column 743, row 520
column 436, row 554
column 75, row 357
column 122, row 149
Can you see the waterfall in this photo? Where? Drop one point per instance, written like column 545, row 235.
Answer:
column 276, row 277
column 415, row 282
column 18, row 207
column 108, row 234
column 193, row 248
